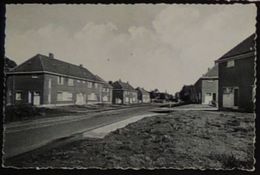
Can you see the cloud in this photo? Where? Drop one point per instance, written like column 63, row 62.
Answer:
column 176, row 49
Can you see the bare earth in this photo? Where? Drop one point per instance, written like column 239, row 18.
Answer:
column 182, row 139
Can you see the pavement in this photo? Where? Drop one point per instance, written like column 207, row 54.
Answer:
column 189, row 107
column 22, row 137
column 101, row 132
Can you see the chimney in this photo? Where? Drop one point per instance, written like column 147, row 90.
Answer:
column 81, row 65
column 119, row 80
column 110, row 82
column 51, row 55
column 208, row 68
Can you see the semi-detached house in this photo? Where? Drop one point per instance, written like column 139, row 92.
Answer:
column 44, row 80
column 237, row 76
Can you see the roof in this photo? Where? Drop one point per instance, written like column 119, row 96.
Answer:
column 142, row 90
column 122, row 85
column 106, row 84
column 213, row 72
column 44, row 63
column 248, row 45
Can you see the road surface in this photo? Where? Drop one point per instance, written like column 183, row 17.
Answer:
column 24, row 137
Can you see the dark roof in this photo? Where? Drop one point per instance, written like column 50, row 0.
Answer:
column 45, row 63
column 245, row 46
column 213, row 72
column 142, row 90
column 122, row 85
column 106, row 84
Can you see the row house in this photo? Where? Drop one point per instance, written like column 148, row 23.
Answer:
column 44, row 80
column 143, row 95
column 206, row 87
column 237, row 76
column 123, row 93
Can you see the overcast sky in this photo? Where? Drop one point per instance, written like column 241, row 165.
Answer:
column 151, row 46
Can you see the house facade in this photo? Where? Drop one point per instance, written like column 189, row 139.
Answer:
column 236, row 77
column 44, row 80
column 123, row 93
column 143, row 95
column 207, row 87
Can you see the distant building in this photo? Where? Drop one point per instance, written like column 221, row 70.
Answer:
column 236, row 76
column 207, row 87
column 143, row 95
column 44, row 80
column 123, row 93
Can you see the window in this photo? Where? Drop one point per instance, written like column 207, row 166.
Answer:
column 96, row 85
column 60, row 80
column 105, row 98
column 18, row 96
column 92, row 96
column 49, row 83
column 64, row 96
column 93, row 84
column 59, row 96
column 89, row 85
column 35, row 76
column 231, row 63
column 70, row 82
column 104, row 89
column 83, row 81
column 78, row 81
column 210, row 81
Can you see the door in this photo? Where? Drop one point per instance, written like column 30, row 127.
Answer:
column 36, row 98
column 208, row 98
column 236, row 99
column 29, row 97
column 228, row 97
column 214, row 97
column 80, row 99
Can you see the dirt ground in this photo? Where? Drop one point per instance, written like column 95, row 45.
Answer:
column 182, row 139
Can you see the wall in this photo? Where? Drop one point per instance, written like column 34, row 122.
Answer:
column 78, row 88
column 209, row 86
column 242, row 76
column 23, row 83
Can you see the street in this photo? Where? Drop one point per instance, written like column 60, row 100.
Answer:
column 178, row 139
column 31, row 135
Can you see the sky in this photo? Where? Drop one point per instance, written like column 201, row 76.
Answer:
column 152, row 46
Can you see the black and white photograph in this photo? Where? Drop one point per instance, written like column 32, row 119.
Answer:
column 130, row 86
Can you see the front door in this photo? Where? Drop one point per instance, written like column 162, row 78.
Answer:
column 228, row 97
column 208, row 98
column 80, row 99
column 36, row 98
column 236, row 100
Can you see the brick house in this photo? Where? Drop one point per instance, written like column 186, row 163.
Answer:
column 236, row 76
column 207, row 87
column 123, row 93
column 143, row 95
column 44, row 80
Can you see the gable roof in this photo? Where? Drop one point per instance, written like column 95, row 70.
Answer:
column 106, row 84
column 247, row 45
column 122, row 85
column 213, row 72
column 142, row 90
column 44, row 63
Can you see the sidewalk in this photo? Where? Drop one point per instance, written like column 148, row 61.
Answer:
column 48, row 121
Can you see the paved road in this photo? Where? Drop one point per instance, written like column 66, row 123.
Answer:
column 31, row 135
